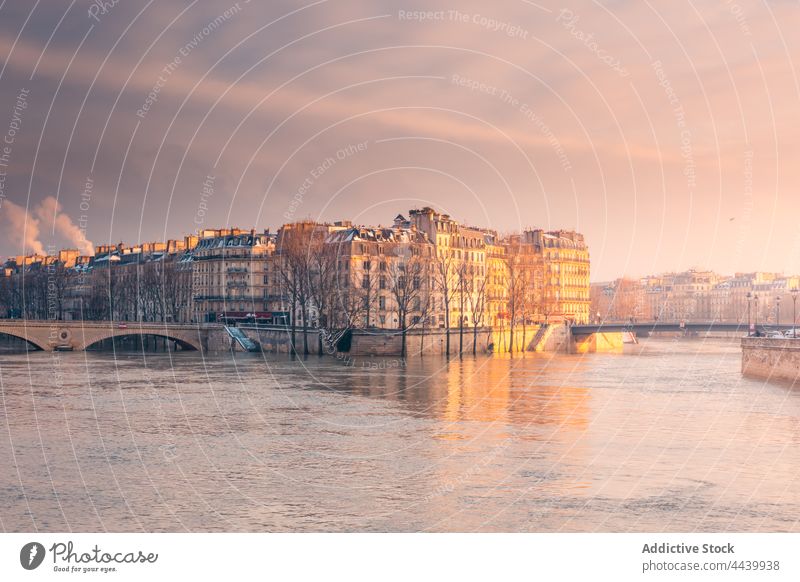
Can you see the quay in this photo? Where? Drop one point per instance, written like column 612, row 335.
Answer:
column 771, row 358
column 74, row 335
column 57, row 335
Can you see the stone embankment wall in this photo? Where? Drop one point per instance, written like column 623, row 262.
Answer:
column 598, row 342
column 273, row 340
column 771, row 358
column 389, row 342
column 434, row 342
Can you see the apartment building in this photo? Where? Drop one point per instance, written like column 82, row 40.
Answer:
column 231, row 276
column 384, row 276
column 427, row 271
column 459, row 268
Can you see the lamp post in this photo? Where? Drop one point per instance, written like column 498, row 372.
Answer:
column 755, row 314
column 794, row 311
column 748, row 298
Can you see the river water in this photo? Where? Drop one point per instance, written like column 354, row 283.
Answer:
column 665, row 437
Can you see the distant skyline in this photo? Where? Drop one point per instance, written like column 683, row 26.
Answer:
column 667, row 135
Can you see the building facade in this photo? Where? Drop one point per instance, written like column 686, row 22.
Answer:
column 231, row 276
column 697, row 296
column 426, row 271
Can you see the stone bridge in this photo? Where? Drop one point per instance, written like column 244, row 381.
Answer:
column 646, row 327
column 79, row 335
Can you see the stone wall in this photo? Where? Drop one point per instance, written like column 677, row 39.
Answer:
column 771, row 358
column 598, row 342
column 388, row 343
column 280, row 340
column 434, row 342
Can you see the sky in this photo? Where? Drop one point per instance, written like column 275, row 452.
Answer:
column 666, row 132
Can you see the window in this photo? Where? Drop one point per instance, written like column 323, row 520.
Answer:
column 382, row 305
column 383, row 283
column 383, row 266
column 365, row 282
column 367, row 265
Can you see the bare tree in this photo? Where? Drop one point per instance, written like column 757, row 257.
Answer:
column 445, row 276
column 526, row 297
column 176, row 290
column 5, row 296
column 408, row 276
column 13, row 296
column 34, row 292
column 463, row 282
column 323, row 281
column 295, row 271
column 368, row 290
column 515, row 283
column 58, row 282
column 477, row 305
column 149, row 295
column 101, row 286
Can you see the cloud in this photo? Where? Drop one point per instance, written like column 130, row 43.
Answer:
column 270, row 102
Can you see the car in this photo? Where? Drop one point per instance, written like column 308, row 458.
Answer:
column 775, row 334
column 792, row 333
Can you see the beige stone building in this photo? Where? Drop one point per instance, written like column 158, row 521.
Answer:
column 424, row 271
column 458, row 269
column 565, row 261
column 496, row 281
column 231, row 276
column 698, row 296
column 384, row 276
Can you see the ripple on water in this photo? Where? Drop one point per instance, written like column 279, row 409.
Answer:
column 665, row 437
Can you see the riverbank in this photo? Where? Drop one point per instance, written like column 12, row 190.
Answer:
column 771, row 358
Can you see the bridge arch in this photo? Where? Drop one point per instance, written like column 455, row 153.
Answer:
column 183, row 342
column 23, row 335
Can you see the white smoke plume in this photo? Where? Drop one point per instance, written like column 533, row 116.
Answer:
column 24, row 228
column 21, row 228
column 52, row 215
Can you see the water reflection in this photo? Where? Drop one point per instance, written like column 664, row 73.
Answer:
column 484, row 389
column 666, row 437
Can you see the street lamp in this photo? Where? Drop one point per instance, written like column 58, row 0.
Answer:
column 794, row 311
column 755, row 315
column 749, row 297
